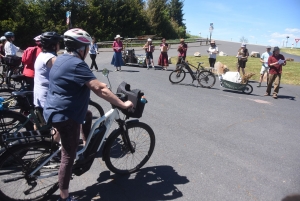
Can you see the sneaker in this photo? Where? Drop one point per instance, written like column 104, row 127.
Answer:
column 266, row 94
column 259, row 85
column 275, row 96
column 67, row 199
column 164, row 69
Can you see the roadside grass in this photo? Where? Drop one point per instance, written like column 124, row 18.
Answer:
column 290, row 72
column 294, row 51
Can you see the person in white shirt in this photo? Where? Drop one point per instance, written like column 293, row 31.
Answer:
column 213, row 51
column 43, row 63
column 93, row 53
column 9, row 48
column 265, row 67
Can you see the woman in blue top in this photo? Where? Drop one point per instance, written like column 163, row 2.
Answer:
column 93, row 53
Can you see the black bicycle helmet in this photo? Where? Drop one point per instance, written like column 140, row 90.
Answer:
column 50, row 38
column 9, row 34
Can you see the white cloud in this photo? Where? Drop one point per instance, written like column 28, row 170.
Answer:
column 252, row 36
column 292, row 30
column 275, row 42
column 278, row 35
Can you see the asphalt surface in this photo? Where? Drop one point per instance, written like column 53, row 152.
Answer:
column 211, row 144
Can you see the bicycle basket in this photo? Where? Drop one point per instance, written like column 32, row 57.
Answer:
column 13, row 60
column 134, row 96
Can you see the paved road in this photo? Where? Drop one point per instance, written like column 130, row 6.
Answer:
column 211, row 144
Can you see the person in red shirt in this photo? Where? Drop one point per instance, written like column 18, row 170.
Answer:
column 117, row 60
column 28, row 71
column 275, row 62
column 163, row 58
column 182, row 48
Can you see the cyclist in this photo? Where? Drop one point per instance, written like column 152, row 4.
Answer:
column 43, row 64
column 67, row 100
column 2, row 52
column 28, row 60
column 10, row 48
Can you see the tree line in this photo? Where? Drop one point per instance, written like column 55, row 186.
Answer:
column 103, row 19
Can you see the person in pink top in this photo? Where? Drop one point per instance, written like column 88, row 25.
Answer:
column 117, row 60
column 182, row 48
column 163, row 58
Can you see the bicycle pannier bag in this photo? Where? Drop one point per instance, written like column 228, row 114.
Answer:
column 134, row 96
column 12, row 60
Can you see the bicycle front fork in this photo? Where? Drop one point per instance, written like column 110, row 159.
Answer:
column 125, row 136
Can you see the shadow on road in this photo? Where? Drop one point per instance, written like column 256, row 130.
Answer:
column 239, row 92
column 149, row 184
column 193, row 85
column 286, row 97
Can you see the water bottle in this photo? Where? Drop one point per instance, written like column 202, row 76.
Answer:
column 143, row 100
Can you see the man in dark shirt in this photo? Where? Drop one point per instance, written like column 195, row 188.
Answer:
column 70, row 82
column 275, row 62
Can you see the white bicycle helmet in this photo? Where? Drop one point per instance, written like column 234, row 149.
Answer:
column 76, row 38
column 2, row 38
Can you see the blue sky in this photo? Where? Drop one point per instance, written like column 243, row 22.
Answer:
column 264, row 22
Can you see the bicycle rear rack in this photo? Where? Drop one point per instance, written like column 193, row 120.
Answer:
column 25, row 137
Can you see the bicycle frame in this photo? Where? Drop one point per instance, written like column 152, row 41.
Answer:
column 107, row 119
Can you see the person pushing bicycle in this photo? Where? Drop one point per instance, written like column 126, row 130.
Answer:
column 70, row 82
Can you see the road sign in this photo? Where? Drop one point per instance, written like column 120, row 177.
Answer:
column 297, row 40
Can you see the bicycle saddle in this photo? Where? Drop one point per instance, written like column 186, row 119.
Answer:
column 18, row 78
column 200, row 62
column 22, row 93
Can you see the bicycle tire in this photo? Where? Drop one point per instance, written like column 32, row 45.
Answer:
column 11, row 120
column 115, row 149
column 204, row 77
column 248, row 89
column 96, row 110
column 26, row 158
column 177, row 76
column 1, row 79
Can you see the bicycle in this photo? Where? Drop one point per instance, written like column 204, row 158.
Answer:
column 29, row 116
column 205, row 78
column 12, row 66
column 35, row 173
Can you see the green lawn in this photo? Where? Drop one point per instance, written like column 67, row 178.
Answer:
column 295, row 51
column 290, row 74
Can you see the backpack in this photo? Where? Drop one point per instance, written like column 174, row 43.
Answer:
column 29, row 56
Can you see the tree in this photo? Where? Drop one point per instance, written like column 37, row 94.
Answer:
column 159, row 19
column 243, row 40
column 176, row 11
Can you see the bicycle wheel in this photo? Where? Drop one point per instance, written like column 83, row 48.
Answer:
column 206, row 79
column 177, row 76
column 18, row 162
column 96, row 110
column 117, row 155
column 11, row 121
column 248, row 89
column 6, row 92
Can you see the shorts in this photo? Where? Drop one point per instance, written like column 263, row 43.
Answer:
column 149, row 55
column 241, row 64
column 264, row 70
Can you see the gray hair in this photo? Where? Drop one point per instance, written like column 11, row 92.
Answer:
column 75, row 53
